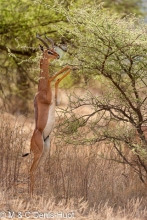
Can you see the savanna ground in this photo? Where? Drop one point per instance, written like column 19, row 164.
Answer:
column 75, row 182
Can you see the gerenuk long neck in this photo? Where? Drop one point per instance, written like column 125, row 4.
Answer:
column 44, row 71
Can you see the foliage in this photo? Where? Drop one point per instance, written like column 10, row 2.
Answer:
column 113, row 50
column 20, row 20
column 19, row 25
column 123, row 7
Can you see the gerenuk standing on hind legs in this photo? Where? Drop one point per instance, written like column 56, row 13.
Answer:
column 44, row 105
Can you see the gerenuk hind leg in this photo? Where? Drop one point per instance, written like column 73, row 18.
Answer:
column 37, row 146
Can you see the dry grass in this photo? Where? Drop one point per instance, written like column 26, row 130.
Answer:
column 39, row 208
column 108, row 190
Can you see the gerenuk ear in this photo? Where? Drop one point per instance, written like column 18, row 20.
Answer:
column 41, row 47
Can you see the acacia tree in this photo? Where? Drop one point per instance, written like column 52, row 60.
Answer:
column 20, row 20
column 112, row 51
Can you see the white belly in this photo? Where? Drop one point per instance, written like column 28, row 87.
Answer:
column 50, row 121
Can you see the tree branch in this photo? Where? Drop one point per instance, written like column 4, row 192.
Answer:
column 19, row 52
